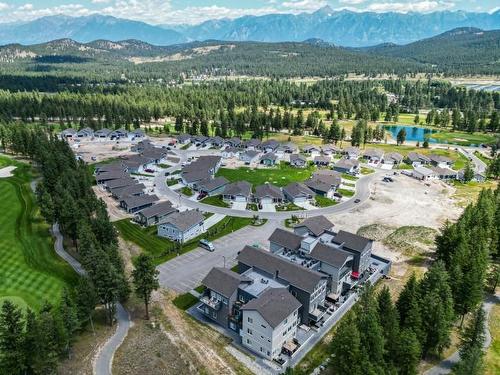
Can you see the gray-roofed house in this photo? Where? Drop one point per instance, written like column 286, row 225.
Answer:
column 322, row 160
column 102, row 133
column 201, row 169
column 298, row 161
column 347, row 166
column 359, row 246
column 373, row 155
column 423, row 173
column 111, row 175
column 68, row 133
column 269, row 322
column 230, row 152
column 314, row 226
column 269, row 146
column 133, row 203
column 136, row 134
column 249, row 156
column 212, row 186
column 393, row 158
column 136, row 163
column 269, row 159
column 337, row 264
column 252, row 144
column 297, row 192
column 118, row 134
column 289, row 148
column 311, row 149
column 131, row 190
column 440, row 161
column 444, row 173
column 182, row 226
column 308, row 286
column 234, row 142
column 268, row 194
column 183, row 139
column 323, row 184
column 216, row 141
column 85, row 133
column 283, row 239
column 120, row 183
column 352, row 152
column 239, row 191
column 417, row 159
column 155, row 214
column 220, row 296
column 330, row 150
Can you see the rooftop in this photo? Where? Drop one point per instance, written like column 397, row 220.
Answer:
column 286, row 239
column 317, row 225
column 351, row 241
column 223, row 281
column 260, row 282
column 159, row 209
column 185, row 220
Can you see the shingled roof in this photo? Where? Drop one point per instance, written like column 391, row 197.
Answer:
column 292, row 273
column 330, row 255
column 238, row 188
column 268, row 190
column 317, row 225
column 274, row 305
column 223, row 281
column 288, row 240
column 184, row 220
column 351, row 241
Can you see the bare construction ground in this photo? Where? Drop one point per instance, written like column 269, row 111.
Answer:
column 101, row 150
column 114, row 211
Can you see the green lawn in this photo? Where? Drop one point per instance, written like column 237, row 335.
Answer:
column 345, row 192
column 252, row 207
column 172, row 182
column 483, row 158
column 185, row 301
column 215, row 201
column 289, row 207
column 324, row 202
column 162, row 249
column 30, row 270
column 282, row 175
column 365, row 170
column 463, row 139
column 346, row 176
column 186, row 190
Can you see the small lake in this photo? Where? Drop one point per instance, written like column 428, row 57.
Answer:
column 413, row 133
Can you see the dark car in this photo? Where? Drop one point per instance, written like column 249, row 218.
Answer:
column 149, row 170
column 201, row 196
column 357, row 200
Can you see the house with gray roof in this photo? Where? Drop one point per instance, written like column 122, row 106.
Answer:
column 351, row 153
column 283, row 239
column 373, row 155
column 252, row 144
column 268, row 194
column 118, row 134
column 444, row 173
column 393, row 158
column 330, row 150
column 155, row 214
column 234, row 142
column 314, row 226
column 322, row 160
column 289, row 148
column 440, row 161
column 417, row 160
column 183, row 139
column 68, row 133
column 134, row 203
column 360, row 247
column 308, row 286
column 270, row 322
column 85, row 133
column 350, row 166
column 131, row 190
column 249, row 156
column 269, row 146
column 323, row 185
column 201, row 169
column 120, row 183
column 102, row 133
column 269, row 159
column 239, row 191
column 212, row 186
column 111, row 175
column 297, row 192
column 298, row 161
column 313, row 150
column 182, row 226
column 230, row 152
column 423, row 173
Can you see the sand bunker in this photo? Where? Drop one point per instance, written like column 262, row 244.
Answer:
column 6, row 172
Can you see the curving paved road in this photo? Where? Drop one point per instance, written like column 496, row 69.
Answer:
column 446, row 365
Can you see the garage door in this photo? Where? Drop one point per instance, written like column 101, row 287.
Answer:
column 266, row 201
column 239, row 198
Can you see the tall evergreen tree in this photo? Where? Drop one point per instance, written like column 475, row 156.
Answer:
column 145, row 276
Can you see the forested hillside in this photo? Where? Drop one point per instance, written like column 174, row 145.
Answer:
column 467, row 50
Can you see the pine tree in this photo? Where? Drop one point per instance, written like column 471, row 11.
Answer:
column 11, row 339
column 145, row 276
column 346, row 347
column 407, row 352
column 389, row 320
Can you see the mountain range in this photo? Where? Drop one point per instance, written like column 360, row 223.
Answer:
column 344, row 28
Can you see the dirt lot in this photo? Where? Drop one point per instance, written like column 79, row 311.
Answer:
column 114, row 211
column 101, row 150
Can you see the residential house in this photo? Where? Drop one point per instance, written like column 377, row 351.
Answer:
column 324, row 184
column 155, row 155
column 269, row 146
column 119, row 183
column 133, row 203
column 141, row 146
column 85, row 133
column 352, row 153
column 216, row 141
column 314, row 226
column 252, row 144
column 440, row 161
column 269, row 159
column 444, row 173
column 136, row 163
column 136, row 134
column 423, row 173
column 417, row 160
column 199, row 140
column 212, row 186
column 330, row 150
column 102, row 134
column 289, row 148
column 297, row 192
column 350, row 166
column 268, row 194
column 311, row 150
column 183, row 139
column 393, row 158
column 234, row 142
column 269, row 322
column 118, row 134
column 112, row 167
column 68, row 133
column 249, row 156
column 112, row 175
column 201, row 169
column 298, row 161
column 374, row 156
column 360, row 247
column 182, row 226
column 131, row 190
column 239, row 191
column 306, row 285
column 283, row 239
column 230, row 152
column 155, row 214
column 322, row 160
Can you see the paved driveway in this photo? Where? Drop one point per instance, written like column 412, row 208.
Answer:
column 186, row 271
column 268, row 207
column 241, row 206
column 306, row 206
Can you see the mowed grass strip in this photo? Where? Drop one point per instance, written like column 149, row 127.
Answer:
column 30, row 270
column 281, row 175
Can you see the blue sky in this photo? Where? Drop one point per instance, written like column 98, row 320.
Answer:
column 196, row 11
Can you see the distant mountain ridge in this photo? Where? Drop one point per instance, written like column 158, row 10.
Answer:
column 342, row 28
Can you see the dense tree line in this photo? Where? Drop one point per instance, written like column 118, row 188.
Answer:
column 65, row 196
column 246, row 105
column 383, row 337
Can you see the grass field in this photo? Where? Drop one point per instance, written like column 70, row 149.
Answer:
column 185, row 301
column 345, row 192
column 492, row 358
column 215, row 201
column 162, row 249
column 324, row 202
column 30, row 271
column 279, row 176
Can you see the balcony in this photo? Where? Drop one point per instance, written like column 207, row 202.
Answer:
column 317, row 314
column 212, row 303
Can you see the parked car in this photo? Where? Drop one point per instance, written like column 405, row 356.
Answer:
column 167, row 174
column 93, row 158
column 357, row 200
column 149, row 170
column 206, row 244
column 201, row 196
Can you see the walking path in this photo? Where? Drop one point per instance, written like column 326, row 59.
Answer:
column 446, row 365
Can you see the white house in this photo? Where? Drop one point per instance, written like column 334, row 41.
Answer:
column 182, row 226
column 423, row 173
column 270, row 322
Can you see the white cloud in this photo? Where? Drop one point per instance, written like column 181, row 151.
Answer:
column 304, row 5
column 4, row 6
column 26, row 7
column 414, row 6
column 352, row 2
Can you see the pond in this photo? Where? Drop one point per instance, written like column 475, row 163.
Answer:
column 413, row 133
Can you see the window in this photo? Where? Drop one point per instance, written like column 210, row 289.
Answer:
column 263, row 326
column 261, row 349
column 250, row 320
column 249, row 331
column 286, row 320
column 249, row 342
